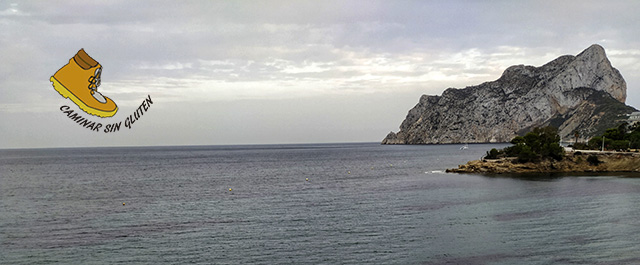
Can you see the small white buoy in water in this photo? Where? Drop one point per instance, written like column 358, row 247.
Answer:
column 349, row 172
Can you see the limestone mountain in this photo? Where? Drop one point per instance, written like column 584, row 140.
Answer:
column 582, row 93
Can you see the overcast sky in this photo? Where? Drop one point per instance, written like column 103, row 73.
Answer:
column 263, row 72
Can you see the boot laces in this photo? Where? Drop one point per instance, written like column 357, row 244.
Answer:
column 94, row 80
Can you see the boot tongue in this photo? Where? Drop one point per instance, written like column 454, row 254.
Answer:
column 99, row 97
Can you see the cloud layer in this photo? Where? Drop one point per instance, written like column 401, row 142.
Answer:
column 234, row 52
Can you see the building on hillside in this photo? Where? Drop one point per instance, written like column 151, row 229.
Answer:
column 634, row 117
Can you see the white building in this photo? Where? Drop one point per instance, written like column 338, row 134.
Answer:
column 634, row 117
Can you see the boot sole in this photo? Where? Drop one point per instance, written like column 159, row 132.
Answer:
column 63, row 91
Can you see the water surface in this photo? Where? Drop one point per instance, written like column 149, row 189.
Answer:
column 362, row 204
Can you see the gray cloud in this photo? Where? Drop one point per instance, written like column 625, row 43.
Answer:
column 198, row 53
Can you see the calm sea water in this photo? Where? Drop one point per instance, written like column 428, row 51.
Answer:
column 362, row 204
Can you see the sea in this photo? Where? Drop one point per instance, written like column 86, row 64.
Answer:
column 356, row 203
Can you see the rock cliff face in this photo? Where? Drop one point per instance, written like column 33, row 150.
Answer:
column 582, row 93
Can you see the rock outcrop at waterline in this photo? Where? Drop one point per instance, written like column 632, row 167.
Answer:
column 572, row 162
column 582, row 93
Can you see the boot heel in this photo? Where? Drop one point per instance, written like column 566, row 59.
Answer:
column 60, row 88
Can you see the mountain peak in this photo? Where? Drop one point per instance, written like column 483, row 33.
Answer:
column 574, row 93
column 594, row 49
column 591, row 68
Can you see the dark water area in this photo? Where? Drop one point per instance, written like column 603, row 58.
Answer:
column 362, row 204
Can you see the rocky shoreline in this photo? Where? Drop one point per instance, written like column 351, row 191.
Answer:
column 572, row 162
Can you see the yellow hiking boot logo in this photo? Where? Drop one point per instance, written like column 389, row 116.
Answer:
column 79, row 81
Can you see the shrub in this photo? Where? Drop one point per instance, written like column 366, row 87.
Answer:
column 580, row 146
column 513, row 151
column 593, row 160
column 541, row 143
column 493, row 154
column 623, row 137
column 619, row 145
column 634, row 138
column 595, row 143
column 527, row 155
column 553, row 150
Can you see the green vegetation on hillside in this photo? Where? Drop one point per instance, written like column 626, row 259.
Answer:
column 623, row 137
column 541, row 143
column 613, row 110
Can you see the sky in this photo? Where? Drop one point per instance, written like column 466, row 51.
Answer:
column 276, row 72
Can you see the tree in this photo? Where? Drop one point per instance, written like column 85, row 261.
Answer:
column 553, row 150
column 634, row 139
column 595, row 142
column 518, row 140
column 619, row 144
column 541, row 143
column 617, row 133
column 527, row 155
column 493, row 154
column 532, row 140
column 623, row 137
column 545, row 142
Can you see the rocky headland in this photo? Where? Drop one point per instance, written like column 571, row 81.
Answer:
column 572, row 162
column 581, row 93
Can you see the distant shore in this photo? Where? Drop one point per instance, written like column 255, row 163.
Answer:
column 573, row 161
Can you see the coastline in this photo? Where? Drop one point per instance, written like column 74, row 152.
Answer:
column 574, row 161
